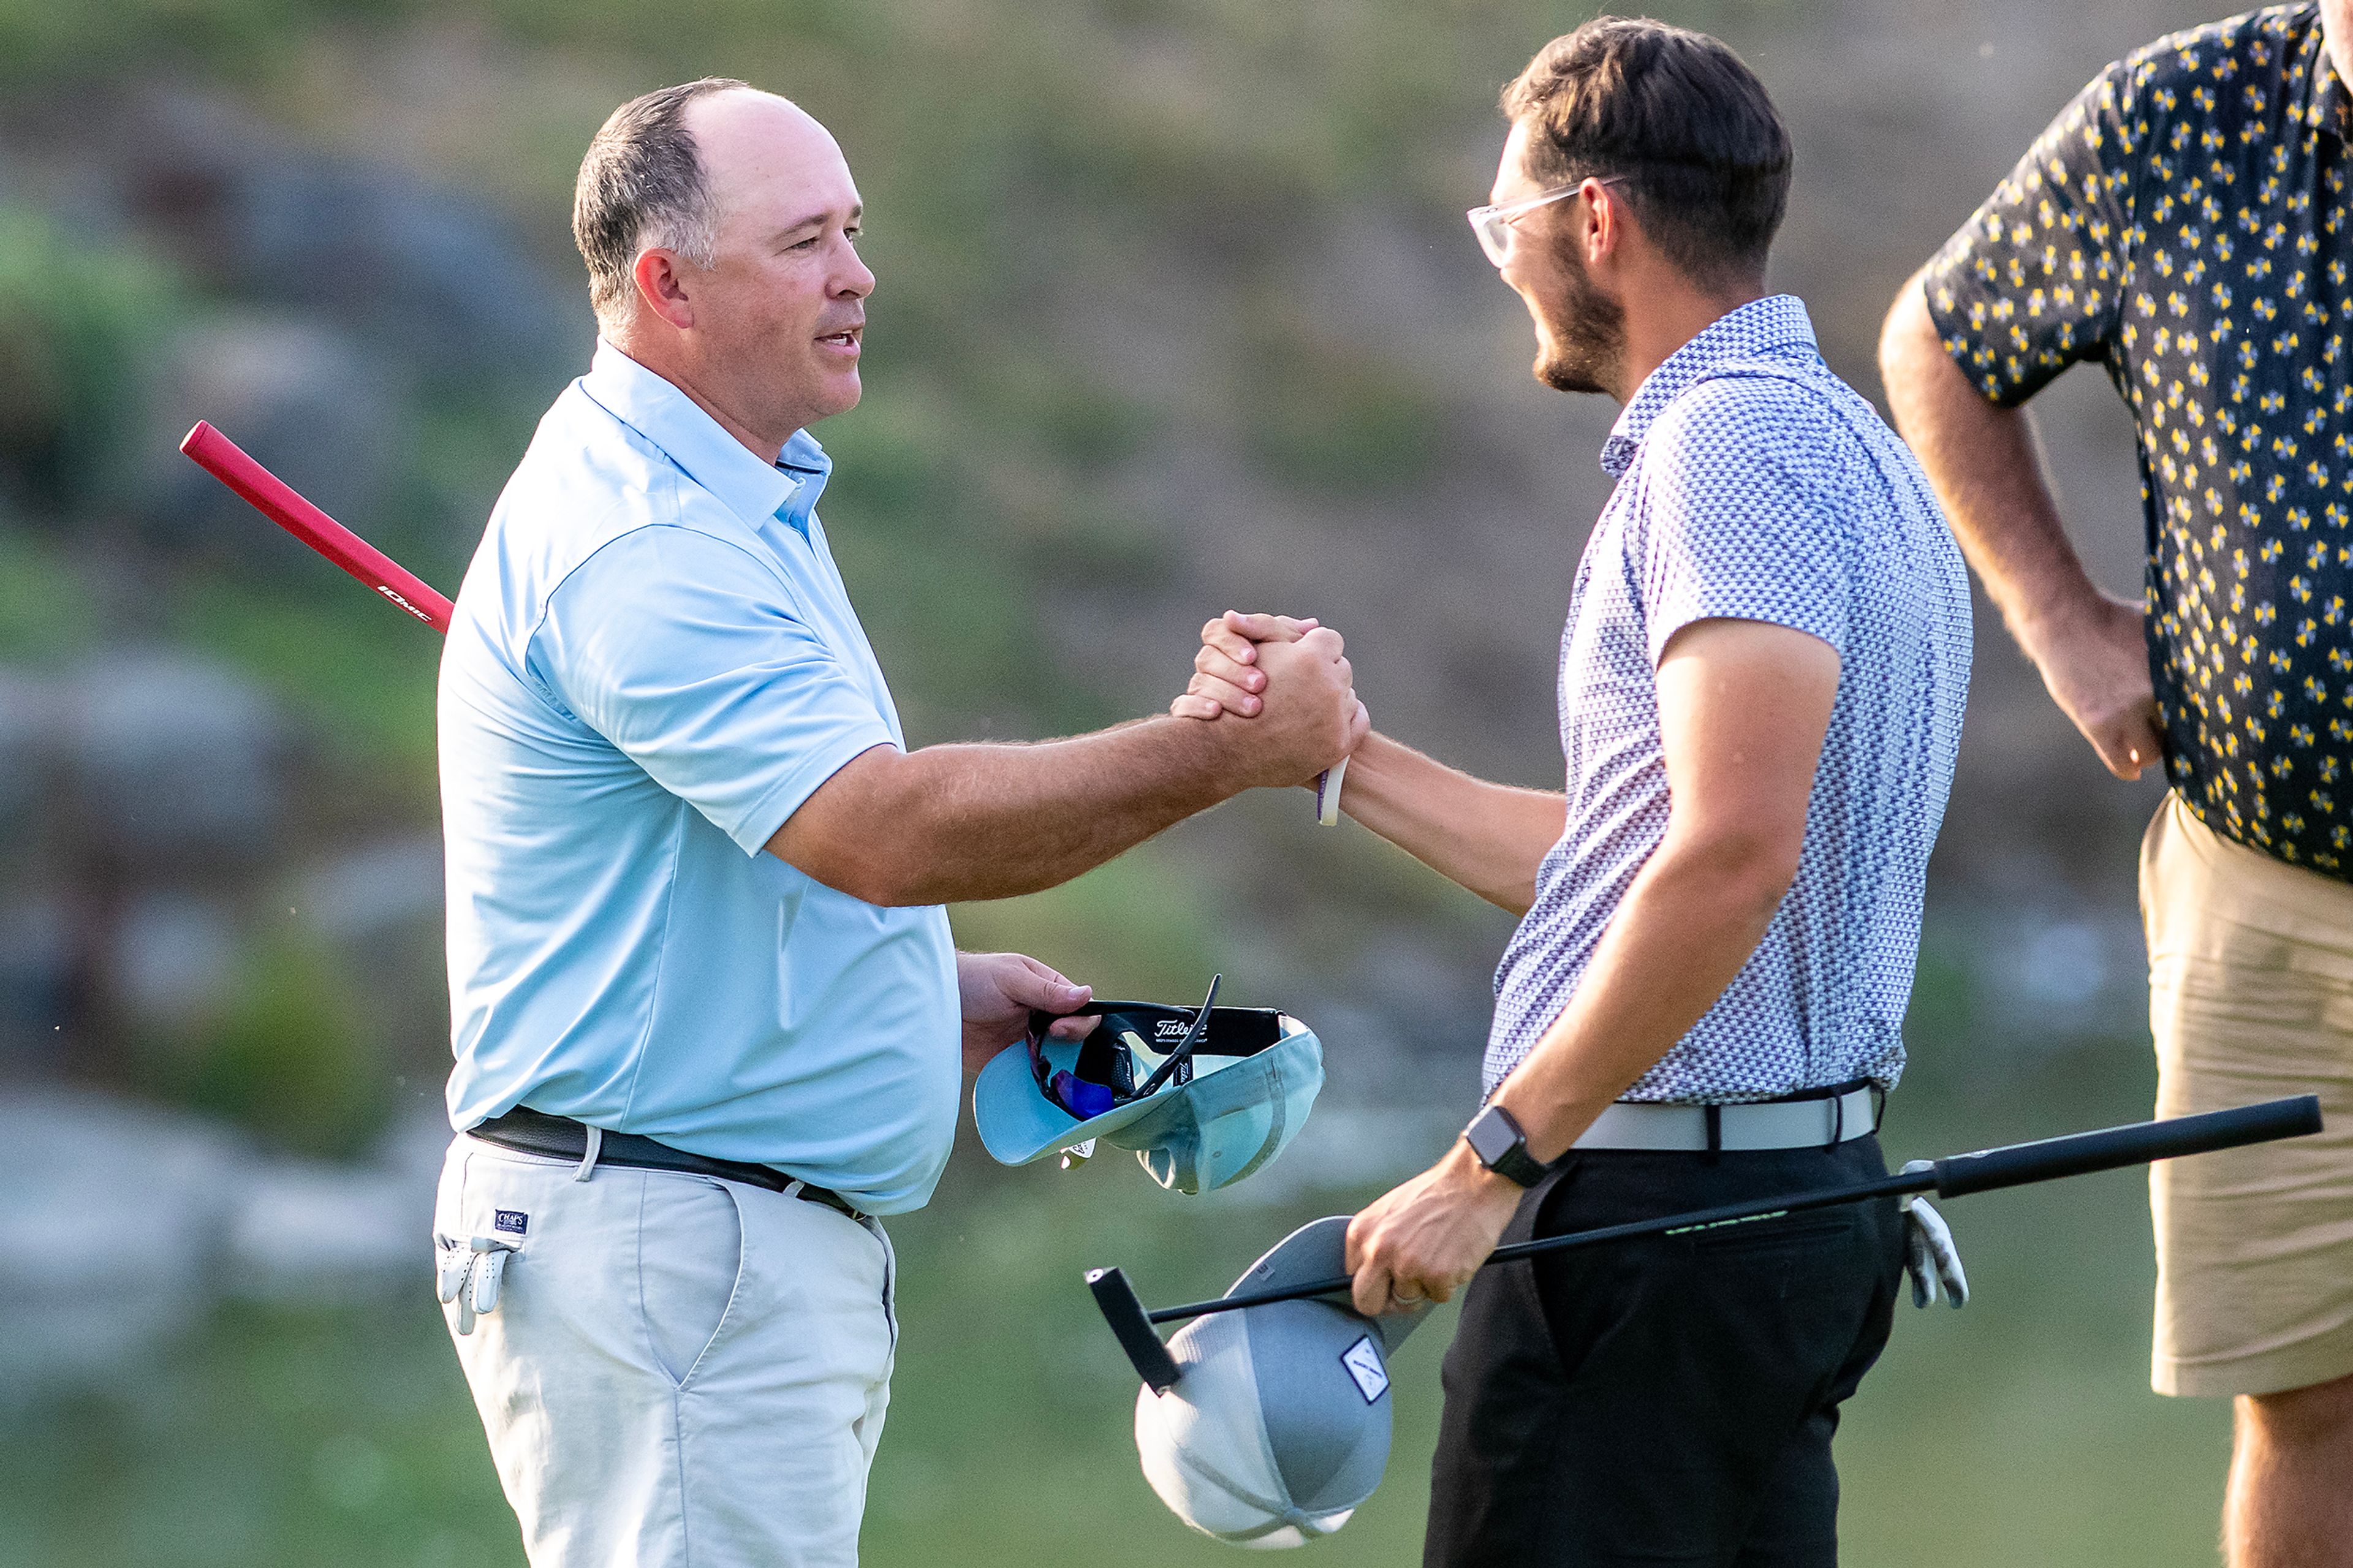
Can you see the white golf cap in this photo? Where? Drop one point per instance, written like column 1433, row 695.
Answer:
column 1277, row 1427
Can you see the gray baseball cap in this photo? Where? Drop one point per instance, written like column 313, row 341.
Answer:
column 1277, row 1427
column 1231, row 1107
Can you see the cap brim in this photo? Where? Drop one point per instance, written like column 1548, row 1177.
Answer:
column 1019, row 1125
column 1319, row 1250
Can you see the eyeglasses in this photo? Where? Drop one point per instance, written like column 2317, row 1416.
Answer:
column 1110, row 1058
column 1492, row 225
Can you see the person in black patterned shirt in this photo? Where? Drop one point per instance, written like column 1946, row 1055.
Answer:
column 2184, row 222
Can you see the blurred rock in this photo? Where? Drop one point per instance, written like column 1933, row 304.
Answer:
column 311, row 402
column 112, row 1220
column 309, row 1232
column 427, row 272
column 174, row 760
column 175, row 959
column 36, row 977
column 122, row 1224
column 27, row 722
column 375, row 889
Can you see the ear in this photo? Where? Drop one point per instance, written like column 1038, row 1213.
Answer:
column 662, row 288
column 1604, row 228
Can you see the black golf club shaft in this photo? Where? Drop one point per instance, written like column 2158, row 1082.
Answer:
column 1954, row 1176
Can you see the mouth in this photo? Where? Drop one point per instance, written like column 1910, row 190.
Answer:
column 845, row 341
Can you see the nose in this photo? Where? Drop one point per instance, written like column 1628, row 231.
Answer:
column 853, row 279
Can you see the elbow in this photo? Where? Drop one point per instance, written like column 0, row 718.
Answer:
column 1515, row 899
column 862, row 865
column 1907, row 329
column 1744, row 872
column 866, row 832
column 874, row 875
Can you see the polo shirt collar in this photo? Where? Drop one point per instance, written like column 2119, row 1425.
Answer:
column 1778, row 320
column 755, row 491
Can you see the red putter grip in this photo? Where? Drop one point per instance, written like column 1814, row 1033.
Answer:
column 275, row 499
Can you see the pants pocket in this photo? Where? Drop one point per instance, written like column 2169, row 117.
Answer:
column 689, row 1265
column 889, row 1278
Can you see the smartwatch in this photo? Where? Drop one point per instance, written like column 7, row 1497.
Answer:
column 1502, row 1148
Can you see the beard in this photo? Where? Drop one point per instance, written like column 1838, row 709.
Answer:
column 1584, row 335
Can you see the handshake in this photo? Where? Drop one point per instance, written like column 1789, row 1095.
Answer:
column 1289, row 684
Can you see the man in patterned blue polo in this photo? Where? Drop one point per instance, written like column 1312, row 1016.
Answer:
column 2183, row 222
column 1761, row 691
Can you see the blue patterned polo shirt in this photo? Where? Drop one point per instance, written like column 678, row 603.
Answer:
column 1755, row 485
column 2184, row 223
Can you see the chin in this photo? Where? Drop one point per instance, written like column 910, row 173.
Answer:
column 1565, row 372
column 841, row 393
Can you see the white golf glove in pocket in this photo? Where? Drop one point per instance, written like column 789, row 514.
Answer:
column 1929, row 1255
column 472, row 1275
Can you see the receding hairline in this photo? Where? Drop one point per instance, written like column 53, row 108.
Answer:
column 694, row 118
column 699, row 133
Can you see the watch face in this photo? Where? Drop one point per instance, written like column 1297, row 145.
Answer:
column 1491, row 1136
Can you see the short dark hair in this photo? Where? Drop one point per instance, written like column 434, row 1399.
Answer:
column 1705, row 155
column 642, row 181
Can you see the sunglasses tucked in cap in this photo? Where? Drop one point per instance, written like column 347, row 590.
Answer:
column 1204, row 1096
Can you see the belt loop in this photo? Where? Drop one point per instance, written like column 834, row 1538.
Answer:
column 588, row 1156
column 1878, row 1105
column 1838, row 1121
column 1714, row 1115
column 793, row 1188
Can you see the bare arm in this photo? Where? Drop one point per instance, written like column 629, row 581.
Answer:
column 1988, row 470
column 952, row 823
column 1489, row 838
column 1743, row 708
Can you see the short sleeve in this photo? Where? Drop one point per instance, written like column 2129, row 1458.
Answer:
column 690, row 655
column 1739, row 524
column 2035, row 281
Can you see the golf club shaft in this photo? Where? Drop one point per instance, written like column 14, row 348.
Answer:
column 1668, row 1225
column 1954, row 1176
column 2141, row 1144
column 277, row 500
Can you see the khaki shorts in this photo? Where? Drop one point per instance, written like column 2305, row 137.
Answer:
column 2250, row 997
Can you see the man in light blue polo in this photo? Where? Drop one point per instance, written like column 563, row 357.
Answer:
column 705, row 1004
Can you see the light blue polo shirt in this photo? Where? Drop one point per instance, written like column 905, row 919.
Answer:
column 653, row 664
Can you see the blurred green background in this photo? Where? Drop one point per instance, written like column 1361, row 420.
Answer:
column 1176, row 311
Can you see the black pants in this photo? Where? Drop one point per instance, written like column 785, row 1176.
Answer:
column 1669, row 1400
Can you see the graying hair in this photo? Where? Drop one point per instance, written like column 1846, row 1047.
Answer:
column 642, row 184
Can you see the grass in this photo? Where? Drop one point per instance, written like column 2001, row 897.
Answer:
column 2021, row 1430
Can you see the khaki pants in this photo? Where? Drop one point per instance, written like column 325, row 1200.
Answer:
column 677, row 1369
column 2250, row 997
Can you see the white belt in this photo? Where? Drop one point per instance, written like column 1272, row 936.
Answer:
column 1776, row 1124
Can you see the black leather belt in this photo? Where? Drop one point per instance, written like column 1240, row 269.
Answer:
column 529, row 1131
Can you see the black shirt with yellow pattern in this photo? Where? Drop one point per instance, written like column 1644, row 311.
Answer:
column 2184, row 222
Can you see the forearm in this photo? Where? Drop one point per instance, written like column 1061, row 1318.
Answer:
column 1689, row 922
column 949, row 824
column 1988, row 470
column 1489, row 838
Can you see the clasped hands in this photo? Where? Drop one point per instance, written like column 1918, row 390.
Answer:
column 1290, row 679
